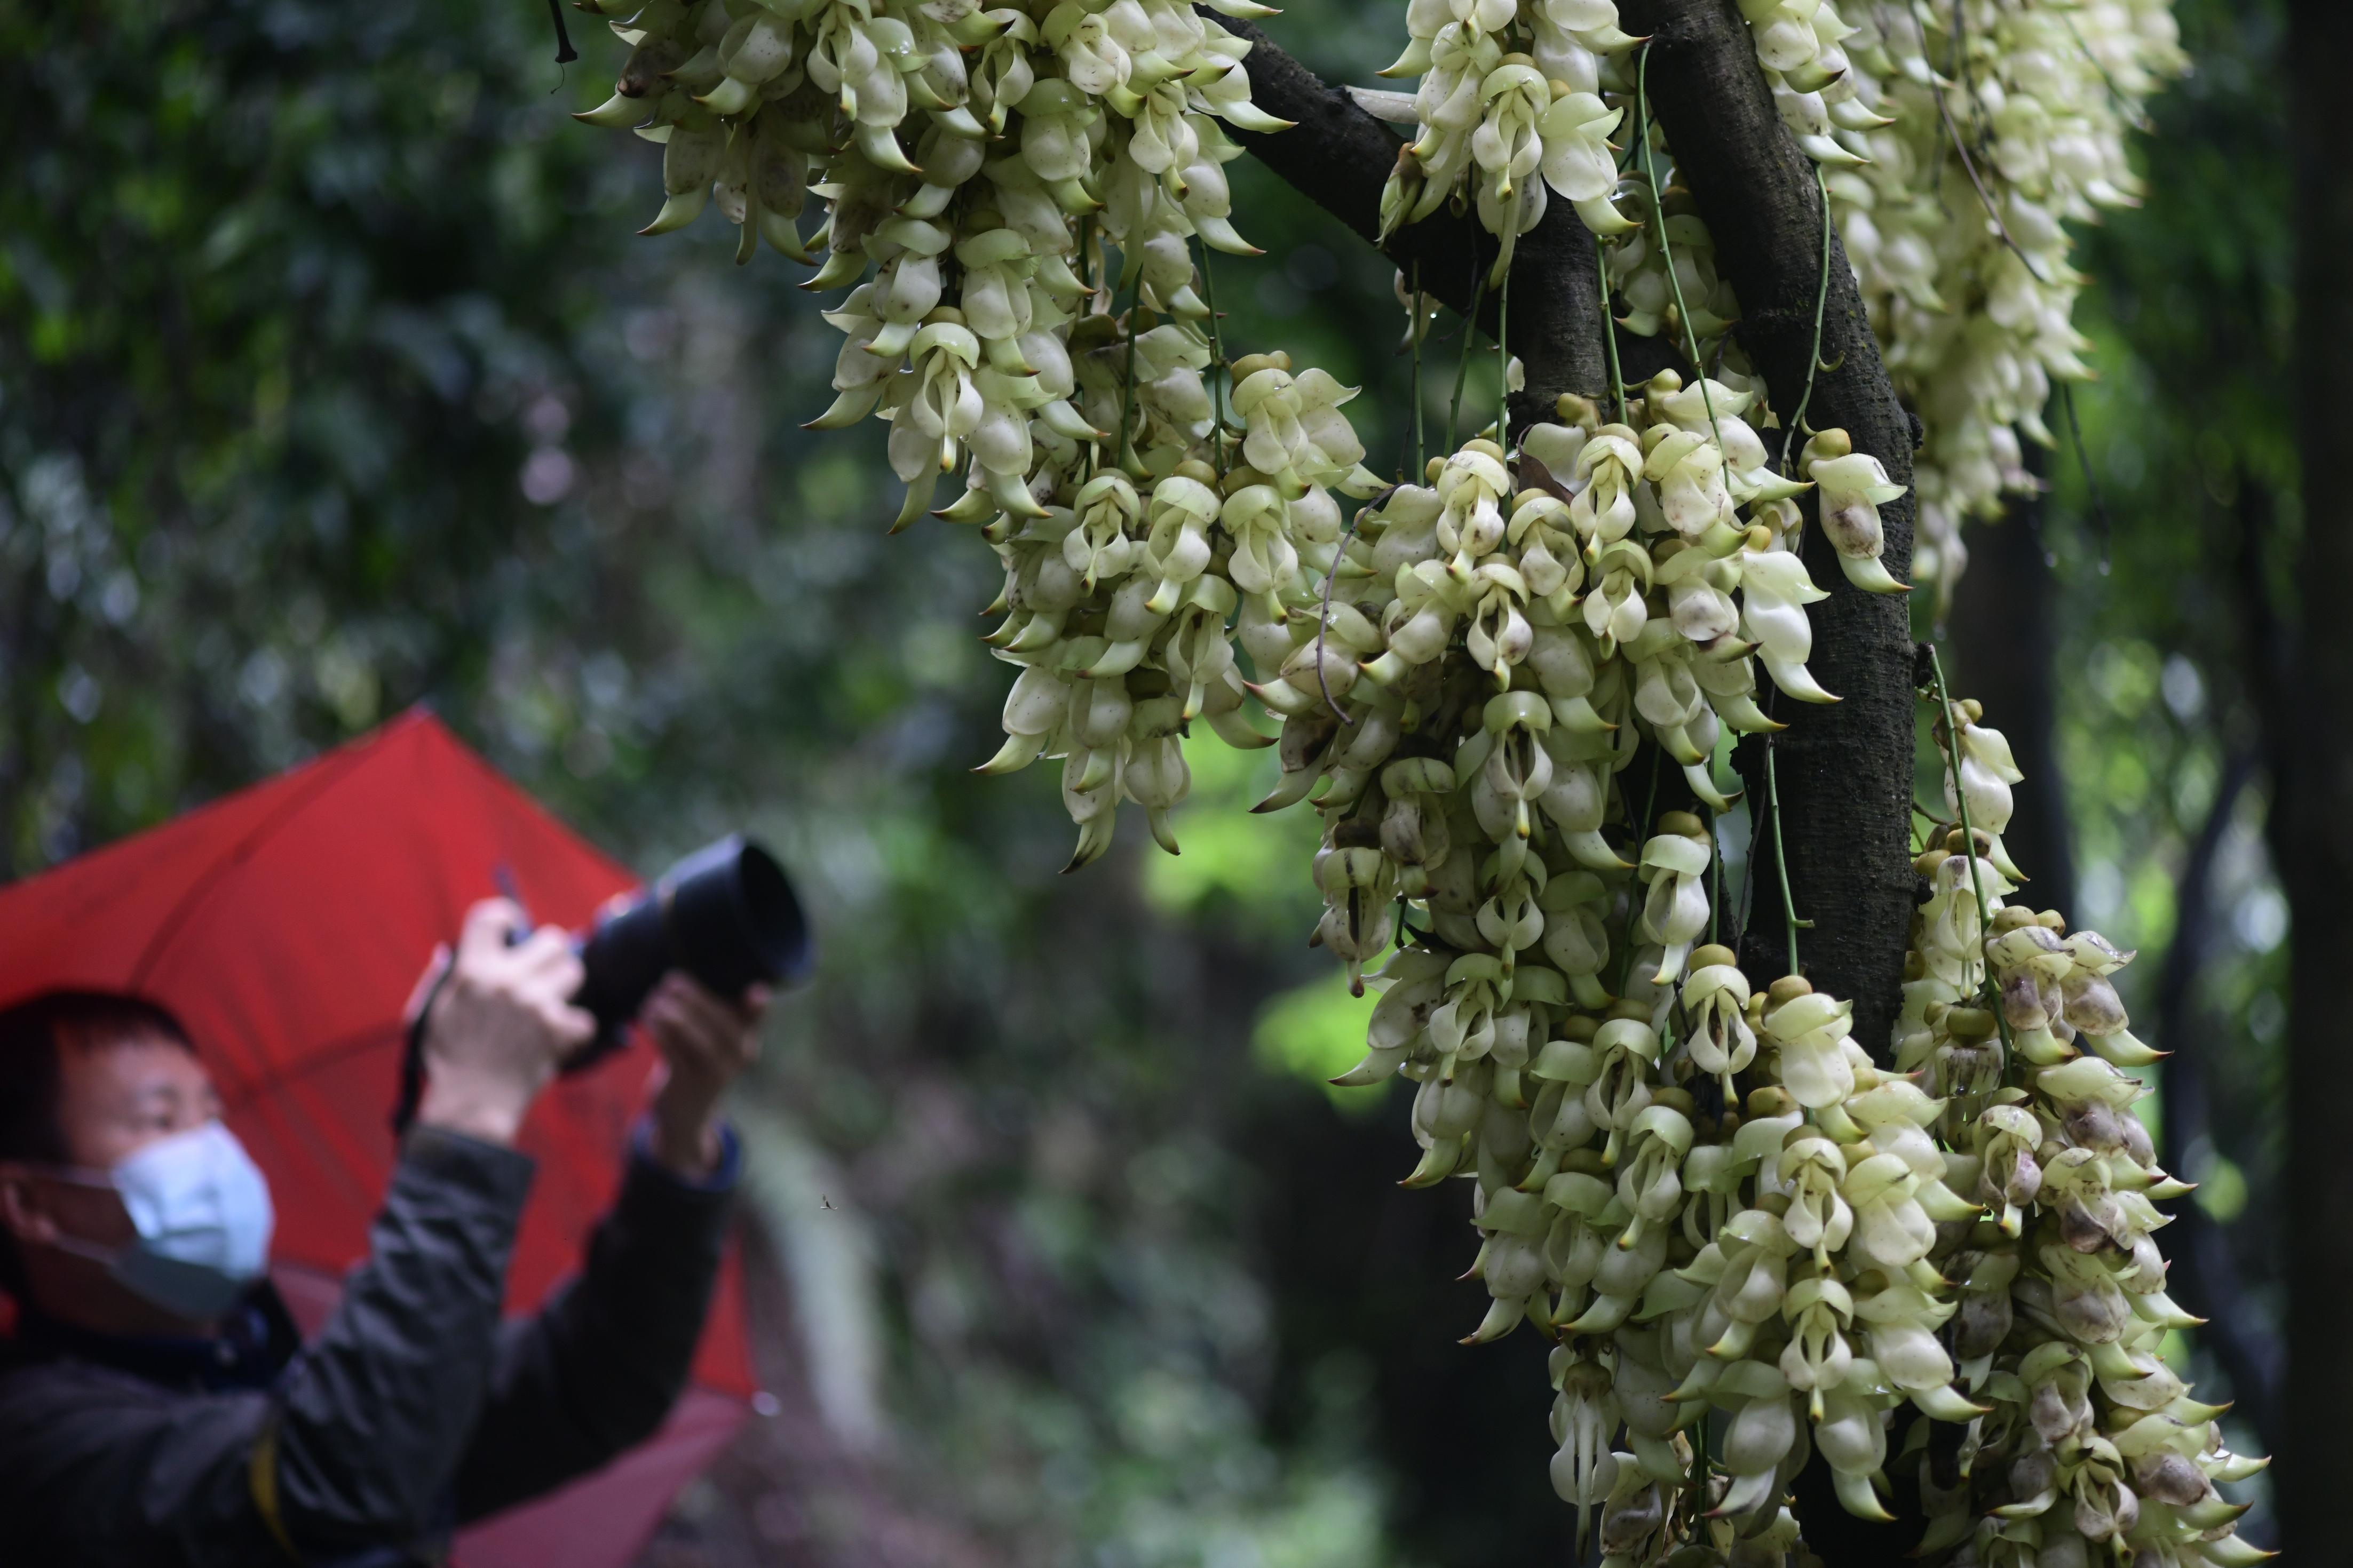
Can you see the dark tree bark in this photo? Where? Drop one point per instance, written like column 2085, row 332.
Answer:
column 2005, row 643
column 1844, row 770
column 2206, row 1278
column 2312, row 832
column 1339, row 157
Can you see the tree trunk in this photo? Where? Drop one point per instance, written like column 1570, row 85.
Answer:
column 2206, row 1278
column 1843, row 773
column 2312, row 787
column 1844, row 770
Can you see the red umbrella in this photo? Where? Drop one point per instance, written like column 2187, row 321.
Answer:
column 285, row 926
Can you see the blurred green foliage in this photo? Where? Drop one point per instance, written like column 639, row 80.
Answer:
column 1318, row 1032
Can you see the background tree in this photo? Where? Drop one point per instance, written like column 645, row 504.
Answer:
column 2312, row 771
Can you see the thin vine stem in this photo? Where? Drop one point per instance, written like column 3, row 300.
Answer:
column 1324, row 620
column 2091, row 481
column 1128, row 392
column 1463, row 368
column 1969, row 167
column 1957, row 69
column 1714, row 875
column 1781, row 854
column 2125, row 110
column 1503, row 364
column 1634, row 915
column 1696, row 1484
column 1217, row 368
column 1821, row 310
column 1087, row 459
column 1666, row 248
column 1952, row 750
column 1416, row 326
column 1610, row 329
column 1745, row 901
column 1957, row 62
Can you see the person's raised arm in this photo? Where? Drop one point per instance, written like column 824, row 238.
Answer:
column 356, row 1446
column 598, row 1371
column 372, row 1422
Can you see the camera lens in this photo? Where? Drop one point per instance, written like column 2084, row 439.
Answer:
column 726, row 914
column 773, row 918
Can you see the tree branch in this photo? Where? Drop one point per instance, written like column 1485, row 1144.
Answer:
column 1845, row 770
column 2311, row 833
column 1339, row 157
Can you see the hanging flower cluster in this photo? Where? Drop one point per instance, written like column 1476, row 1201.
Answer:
column 1655, row 1188
column 1488, row 653
column 1749, row 1242
column 1509, row 107
column 1958, row 140
column 2089, row 1445
column 993, row 182
column 1712, row 1199
column 1515, row 100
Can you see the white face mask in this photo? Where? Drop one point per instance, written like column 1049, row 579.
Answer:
column 201, row 1209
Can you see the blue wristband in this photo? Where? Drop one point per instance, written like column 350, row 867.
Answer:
column 722, row 1177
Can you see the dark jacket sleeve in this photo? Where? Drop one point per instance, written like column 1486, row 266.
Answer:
column 366, row 1428
column 375, row 1415
column 598, row 1369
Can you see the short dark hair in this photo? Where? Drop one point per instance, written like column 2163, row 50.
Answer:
column 32, row 1040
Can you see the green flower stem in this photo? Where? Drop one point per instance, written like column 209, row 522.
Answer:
column 1608, row 328
column 1504, row 365
column 1417, row 321
column 1126, row 441
column 1462, row 370
column 1217, row 368
column 1714, row 878
column 1821, row 307
column 1952, row 750
column 1781, row 854
column 1642, row 836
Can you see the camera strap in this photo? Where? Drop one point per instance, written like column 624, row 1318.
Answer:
column 412, row 1053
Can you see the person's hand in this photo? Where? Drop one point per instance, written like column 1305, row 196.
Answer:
column 705, row 1043
column 501, row 1025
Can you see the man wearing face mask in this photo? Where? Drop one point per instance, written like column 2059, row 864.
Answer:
column 156, row 1406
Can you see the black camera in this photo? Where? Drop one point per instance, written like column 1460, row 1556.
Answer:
column 725, row 914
